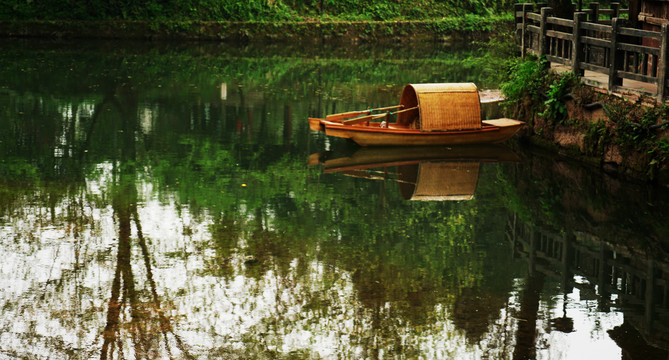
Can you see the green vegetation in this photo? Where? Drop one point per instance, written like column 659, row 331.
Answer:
column 251, row 10
column 523, row 88
column 636, row 128
column 539, row 97
column 635, row 124
column 558, row 88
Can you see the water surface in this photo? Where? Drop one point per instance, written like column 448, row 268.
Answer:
column 167, row 200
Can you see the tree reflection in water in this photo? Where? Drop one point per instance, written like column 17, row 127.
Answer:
column 127, row 231
column 136, row 322
column 148, row 324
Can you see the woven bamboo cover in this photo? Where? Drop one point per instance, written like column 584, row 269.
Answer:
column 448, row 106
column 446, row 180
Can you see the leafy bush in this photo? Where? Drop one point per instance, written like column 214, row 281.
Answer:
column 659, row 152
column 556, row 109
column 634, row 124
column 597, row 136
column 479, row 7
column 248, row 10
column 530, row 88
column 524, row 87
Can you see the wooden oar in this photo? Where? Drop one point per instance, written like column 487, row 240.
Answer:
column 346, row 115
column 404, row 110
column 388, row 108
column 364, row 119
column 352, row 114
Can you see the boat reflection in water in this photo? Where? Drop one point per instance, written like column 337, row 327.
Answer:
column 422, row 173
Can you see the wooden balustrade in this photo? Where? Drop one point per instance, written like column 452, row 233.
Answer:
column 591, row 42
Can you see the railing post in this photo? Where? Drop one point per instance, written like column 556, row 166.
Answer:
column 662, row 66
column 615, row 10
column 594, row 16
column 543, row 43
column 614, row 80
column 516, row 8
column 526, row 8
column 577, row 45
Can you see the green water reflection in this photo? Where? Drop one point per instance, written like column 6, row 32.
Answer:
column 156, row 202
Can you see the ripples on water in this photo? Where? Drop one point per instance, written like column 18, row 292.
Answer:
column 157, row 202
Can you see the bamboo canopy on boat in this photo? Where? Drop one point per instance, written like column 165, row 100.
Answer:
column 439, row 180
column 442, row 107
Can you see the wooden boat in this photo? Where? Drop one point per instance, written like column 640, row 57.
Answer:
column 430, row 173
column 428, row 114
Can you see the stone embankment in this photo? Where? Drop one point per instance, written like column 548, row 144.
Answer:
column 609, row 132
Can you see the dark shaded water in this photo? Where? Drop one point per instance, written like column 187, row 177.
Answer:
column 156, row 202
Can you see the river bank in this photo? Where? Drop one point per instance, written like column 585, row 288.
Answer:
column 624, row 134
column 469, row 26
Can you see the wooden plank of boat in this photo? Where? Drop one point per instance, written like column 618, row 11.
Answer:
column 492, row 131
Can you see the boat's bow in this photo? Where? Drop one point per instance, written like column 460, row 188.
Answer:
column 315, row 124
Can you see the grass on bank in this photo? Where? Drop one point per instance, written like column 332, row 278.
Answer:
column 249, row 10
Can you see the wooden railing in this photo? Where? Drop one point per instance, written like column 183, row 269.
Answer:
column 590, row 42
column 638, row 282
